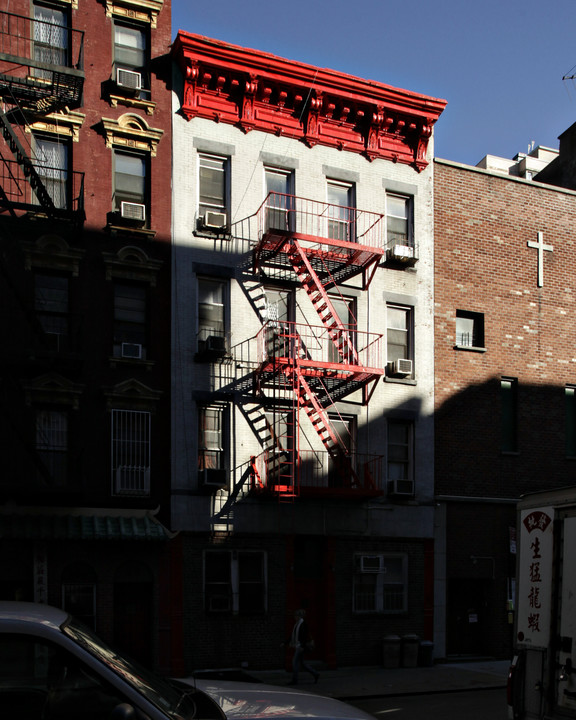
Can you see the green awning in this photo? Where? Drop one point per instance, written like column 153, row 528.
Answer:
column 81, row 527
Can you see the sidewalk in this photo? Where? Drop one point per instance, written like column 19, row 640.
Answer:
column 355, row 682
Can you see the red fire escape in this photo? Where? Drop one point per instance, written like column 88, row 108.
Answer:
column 305, row 370
column 40, row 73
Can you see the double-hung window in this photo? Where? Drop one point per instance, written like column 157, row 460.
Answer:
column 400, row 457
column 342, row 346
column 130, row 321
column 130, row 56
column 51, row 41
column 235, row 582
column 341, row 211
column 211, row 314
column 279, row 199
column 399, row 340
column 130, row 185
column 51, row 305
column 380, row 583
column 51, row 162
column 131, row 447
column 52, row 446
column 213, row 191
column 399, row 210
column 211, row 437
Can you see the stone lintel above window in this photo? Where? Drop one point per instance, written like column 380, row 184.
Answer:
column 138, row 10
column 53, row 253
column 131, row 132
column 132, row 263
column 66, row 123
column 53, row 389
column 132, row 395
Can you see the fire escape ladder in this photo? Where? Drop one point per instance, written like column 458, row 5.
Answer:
column 311, row 283
column 26, row 164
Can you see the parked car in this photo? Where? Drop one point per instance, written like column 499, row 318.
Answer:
column 54, row 668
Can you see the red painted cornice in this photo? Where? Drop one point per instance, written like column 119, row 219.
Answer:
column 259, row 91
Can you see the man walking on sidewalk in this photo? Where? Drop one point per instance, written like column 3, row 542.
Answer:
column 300, row 641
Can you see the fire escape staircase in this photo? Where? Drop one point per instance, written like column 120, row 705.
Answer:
column 30, row 89
column 317, row 386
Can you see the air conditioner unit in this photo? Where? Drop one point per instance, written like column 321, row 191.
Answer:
column 216, row 344
column 400, row 368
column 212, row 478
column 128, row 79
column 401, row 487
column 133, row 211
column 132, row 480
column 214, row 220
column 132, row 350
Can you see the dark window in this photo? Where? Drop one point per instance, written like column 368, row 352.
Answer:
column 130, row 321
column 235, row 582
column 211, row 437
column 399, row 220
column 280, row 201
column 509, row 408
column 570, row 404
column 131, row 449
column 341, row 211
column 469, row 329
column 400, row 457
column 380, row 583
column 213, row 190
column 131, row 57
column 52, row 446
column 51, row 305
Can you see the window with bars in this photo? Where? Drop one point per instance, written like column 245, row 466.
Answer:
column 235, row 582
column 380, row 583
column 131, row 446
column 52, row 446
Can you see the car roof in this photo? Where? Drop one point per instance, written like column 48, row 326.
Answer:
column 26, row 615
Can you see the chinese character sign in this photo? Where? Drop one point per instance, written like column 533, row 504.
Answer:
column 535, row 578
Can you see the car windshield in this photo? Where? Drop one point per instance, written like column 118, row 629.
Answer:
column 165, row 696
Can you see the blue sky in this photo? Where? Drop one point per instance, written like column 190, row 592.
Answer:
column 498, row 63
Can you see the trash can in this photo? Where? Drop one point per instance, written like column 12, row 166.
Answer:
column 426, row 653
column 410, row 647
column 392, row 651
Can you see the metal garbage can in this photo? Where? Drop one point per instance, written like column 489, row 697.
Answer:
column 410, row 647
column 392, row 651
column 426, row 653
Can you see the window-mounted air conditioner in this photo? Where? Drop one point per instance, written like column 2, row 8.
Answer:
column 128, row 79
column 400, row 368
column 216, row 344
column 401, row 487
column 401, row 253
column 133, row 211
column 132, row 350
column 212, row 478
column 214, row 220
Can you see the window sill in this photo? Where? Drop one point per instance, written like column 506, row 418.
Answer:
column 470, row 348
column 146, row 105
column 148, row 364
column 132, row 231
column 400, row 381
column 213, row 234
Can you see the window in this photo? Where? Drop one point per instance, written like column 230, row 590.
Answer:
column 130, row 321
column 345, row 308
column 52, row 446
column 130, row 56
column 213, row 191
column 344, row 427
column 211, row 437
column 380, row 583
column 399, row 339
column 570, row 422
column 211, row 315
column 130, row 452
column 79, row 593
column 235, row 582
column 341, row 212
column 399, row 220
column 51, row 40
column 51, row 305
column 509, row 408
column 469, row 329
column 51, row 161
column 130, row 185
column 280, row 207
column 400, row 457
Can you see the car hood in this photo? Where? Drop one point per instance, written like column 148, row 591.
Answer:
column 254, row 700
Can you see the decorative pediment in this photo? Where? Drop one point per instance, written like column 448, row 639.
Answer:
column 140, row 10
column 52, row 252
column 132, row 263
column 132, row 395
column 132, row 132
column 53, row 389
column 255, row 90
column 66, row 123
